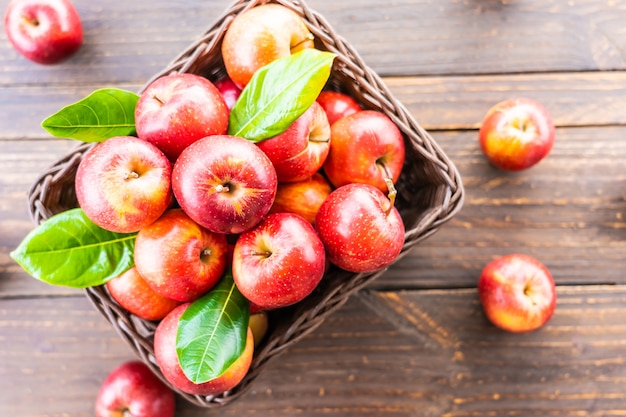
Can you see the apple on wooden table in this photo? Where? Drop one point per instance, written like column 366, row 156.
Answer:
column 517, row 293
column 516, row 134
column 44, row 31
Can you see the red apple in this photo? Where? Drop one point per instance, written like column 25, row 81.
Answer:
column 133, row 390
column 516, row 134
column 365, row 147
column 44, row 31
column 302, row 197
column 279, row 262
column 165, row 353
column 225, row 183
column 178, row 258
column 360, row 227
column 176, row 110
column 259, row 36
column 517, row 293
column 337, row 105
column 132, row 292
column 124, row 184
column 300, row 151
column 229, row 91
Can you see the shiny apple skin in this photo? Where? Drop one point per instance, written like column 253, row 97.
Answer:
column 279, row 262
column 517, row 292
column 302, row 197
column 124, row 184
column 516, row 134
column 178, row 258
column 133, row 390
column 229, row 91
column 337, row 105
column 225, row 183
column 301, row 150
column 44, row 31
column 176, row 110
column 365, row 147
column 260, row 36
column 167, row 359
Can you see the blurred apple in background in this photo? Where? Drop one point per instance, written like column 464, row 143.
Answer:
column 279, row 262
column 44, row 31
column 516, row 134
column 337, row 105
column 176, row 110
column 259, row 36
column 365, row 147
column 132, row 292
column 360, row 227
column 178, row 258
column 302, row 197
column 133, row 390
column 224, row 183
column 517, row 293
column 300, row 151
column 165, row 352
column 124, row 184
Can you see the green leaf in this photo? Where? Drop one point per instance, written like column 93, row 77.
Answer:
column 279, row 93
column 103, row 114
column 212, row 332
column 69, row 250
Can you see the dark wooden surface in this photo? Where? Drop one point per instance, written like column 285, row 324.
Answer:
column 415, row 343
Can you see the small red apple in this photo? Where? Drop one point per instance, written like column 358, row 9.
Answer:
column 360, row 227
column 124, row 184
column 300, row 151
column 279, row 262
column 167, row 358
column 44, row 31
column 178, row 258
column 337, row 105
column 365, row 147
column 517, row 293
column 516, row 134
column 133, row 390
column 259, row 36
column 132, row 292
column 302, row 197
column 176, row 110
column 229, row 91
column 225, row 183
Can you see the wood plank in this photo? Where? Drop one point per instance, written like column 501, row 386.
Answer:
column 402, row 353
column 569, row 211
column 131, row 41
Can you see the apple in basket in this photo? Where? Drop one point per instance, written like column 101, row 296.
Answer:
column 302, row 197
column 165, row 353
column 337, row 105
column 360, row 227
column 178, row 109
column 516, row 134
column 517, row 293
column 259, row 36
column 224, row 183
column 278, row 262
column 301, row 150
column 124, row 184
column 133, row 390
column 365, row 147
column 44, row 31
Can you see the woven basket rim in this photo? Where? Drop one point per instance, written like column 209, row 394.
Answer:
column 51, row 189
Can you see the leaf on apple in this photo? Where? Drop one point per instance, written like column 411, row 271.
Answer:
column 103, row 114
column 279, row 93
column 69, row 250
column 212, row 332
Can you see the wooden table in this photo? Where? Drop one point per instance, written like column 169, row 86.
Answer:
column 415, row 343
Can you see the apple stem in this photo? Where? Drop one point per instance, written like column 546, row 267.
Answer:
column 161, row 102
column 131, row 175
column 391, row 194
column 265, row 254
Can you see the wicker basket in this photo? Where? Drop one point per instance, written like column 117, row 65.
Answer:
column 429, row 194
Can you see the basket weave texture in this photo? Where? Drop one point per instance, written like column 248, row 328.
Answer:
column 430, row 193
